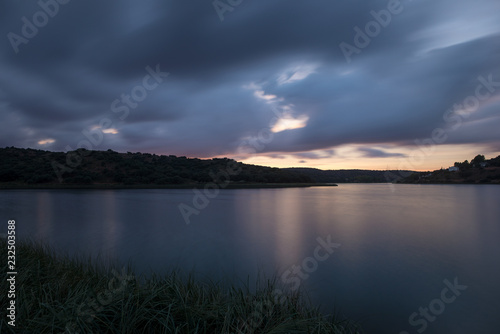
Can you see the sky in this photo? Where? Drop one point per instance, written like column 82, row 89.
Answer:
column 412, row 84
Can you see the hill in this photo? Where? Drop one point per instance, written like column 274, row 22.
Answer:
column 349, row 175
column 24, row 167
column 478, row 170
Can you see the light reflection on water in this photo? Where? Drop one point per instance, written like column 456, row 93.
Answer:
column 396, row 247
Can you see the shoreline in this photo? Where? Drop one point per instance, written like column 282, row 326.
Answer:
column 167, row 186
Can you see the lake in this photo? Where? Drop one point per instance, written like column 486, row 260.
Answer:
column 378, row 253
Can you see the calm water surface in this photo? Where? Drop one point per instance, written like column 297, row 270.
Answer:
column 398, row 243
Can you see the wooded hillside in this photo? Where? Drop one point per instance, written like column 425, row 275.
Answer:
column 29, row 166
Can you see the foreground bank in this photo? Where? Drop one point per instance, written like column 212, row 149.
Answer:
column 59, row 294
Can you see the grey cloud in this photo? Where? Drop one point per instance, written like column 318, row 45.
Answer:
column 395, row 90
column 315, row 155
column 375, row 153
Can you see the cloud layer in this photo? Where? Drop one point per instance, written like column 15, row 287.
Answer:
column 433, row 65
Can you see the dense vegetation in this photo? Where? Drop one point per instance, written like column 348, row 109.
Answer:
column 58, row 294
column 37, row 167
column 478, row 170
column 348, row 175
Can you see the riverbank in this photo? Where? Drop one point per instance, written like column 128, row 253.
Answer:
column 60, row 294
column 165, row 186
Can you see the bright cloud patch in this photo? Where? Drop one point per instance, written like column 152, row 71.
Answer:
column 110, row 131
column 296, row 73
column 46, row 141
column 289, row 123
column 262, row 95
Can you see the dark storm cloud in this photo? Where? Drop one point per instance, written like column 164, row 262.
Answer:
column 227, row 77
column 375, row 153
column 315, row 155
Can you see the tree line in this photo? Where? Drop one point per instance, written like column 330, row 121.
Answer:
column 478, row 170
column 31, row 166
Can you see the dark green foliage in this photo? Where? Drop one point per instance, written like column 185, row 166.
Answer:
column 463, row 165
column 8, row 175
column 478, row 159
column 28, row 166
column 40, row 178
column 466, row 173
column 495, row 162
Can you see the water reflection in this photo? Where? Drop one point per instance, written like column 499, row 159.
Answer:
column 44, row 217
column 275, row 217
column 112, row 233
column 397, row 246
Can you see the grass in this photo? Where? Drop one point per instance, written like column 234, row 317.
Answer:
column 56, row 293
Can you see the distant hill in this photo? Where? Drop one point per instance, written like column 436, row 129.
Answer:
column 84, row 167
column 478, row 170
column 350, row 175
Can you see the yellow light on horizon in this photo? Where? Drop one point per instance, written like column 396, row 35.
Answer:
column 348, row 157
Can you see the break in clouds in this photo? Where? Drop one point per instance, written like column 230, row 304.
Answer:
column 198, row 78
